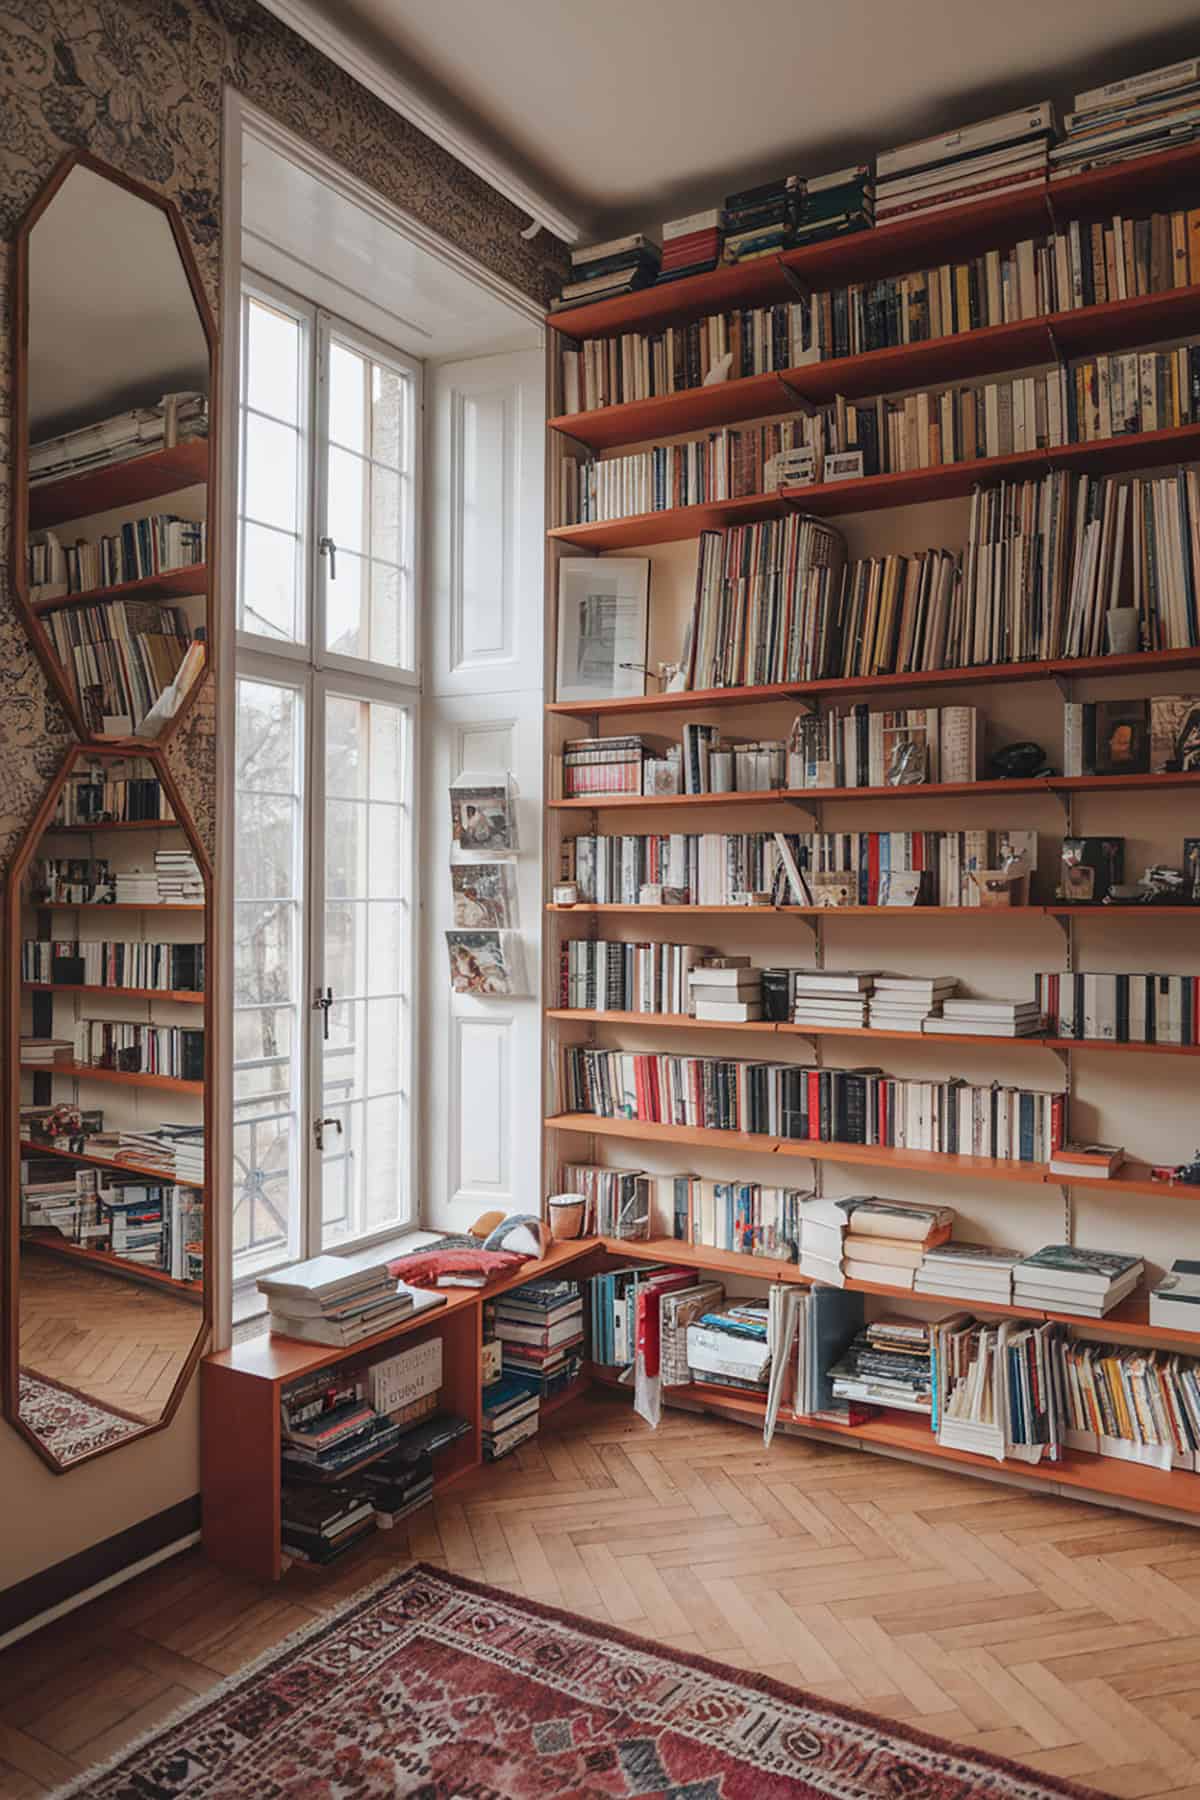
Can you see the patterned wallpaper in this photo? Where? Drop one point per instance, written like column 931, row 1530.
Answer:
column 139, row 83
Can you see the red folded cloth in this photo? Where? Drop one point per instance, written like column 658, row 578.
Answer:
column 423, row 1268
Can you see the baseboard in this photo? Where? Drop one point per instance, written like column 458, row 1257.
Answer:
column 99, row 1565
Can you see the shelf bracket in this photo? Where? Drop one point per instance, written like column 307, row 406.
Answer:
column 802, row 400
column 796, row 282
column 1056, row 348
column 1068, row 1214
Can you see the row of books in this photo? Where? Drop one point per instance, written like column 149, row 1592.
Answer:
column 175, row 880
column 598, row 975
column 324, row 1517
column 70, row 963
column 174, row 1050
column 795, row 1102
column 159, row 1225
column 826, row 868
column 1089, row 401
column 138, row 549
column 112, row 793
column 175, row 1151
column 1086, row 264
column 176, row 419
column 1119, row 1008
column 122, row 658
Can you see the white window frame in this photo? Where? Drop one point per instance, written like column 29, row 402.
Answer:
column 309, row 669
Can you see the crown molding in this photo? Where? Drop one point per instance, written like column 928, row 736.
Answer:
column 305, row 18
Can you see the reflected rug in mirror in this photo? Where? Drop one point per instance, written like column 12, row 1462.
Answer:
column 70, row 1425
column 429, row 1684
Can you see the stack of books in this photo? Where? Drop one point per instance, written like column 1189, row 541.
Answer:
column 401, row 1480
column 826, row 998
column 510, row 1416
column 540, row 1326
column 38, row 1052
column 335, row 1438
column 730, row 1348
column 728, row 991
column 1175, row 1300
column 822, row 1236
column 339, row 1299
column 993, row 156
column 971, row 1017
column 188, row 1142
column 888, row 1364
column 602, row 271
column 692, row 244
column 1087, row 1162
column 176, row 419
column 762, row 220
column 1063, row 1278
column 180, row 882
column 319, row 1523
column 1157, row 110
column 836, row 204
column 136, row 887
column 887, row 1239
column 965, row 1272
column 907, row 1002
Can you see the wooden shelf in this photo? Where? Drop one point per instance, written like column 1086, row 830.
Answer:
column 53, row 830
column 930, row 790
column 842, row 686
column 128, row 1077
column 177, row 996
column 1009, row 915
column 872, row 493
column 119, row 484
column 685, row 1022
column 990, row 349
column 899, row 247
column 1135, row 1178
column 107, row 906
column 120, row 1165
column 47, row 1239
column 169, row 582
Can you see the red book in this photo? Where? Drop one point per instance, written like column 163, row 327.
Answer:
column 813, row 1079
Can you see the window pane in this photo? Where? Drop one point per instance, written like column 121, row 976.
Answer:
column 389, row 616
column 268, row 1024
column 387, row 519
column 267, row 589
column 349, row 480
column 389, row 391
column 344, row 606
column 272, row 463
column 272, row 376
column 347, row 397
column 365, row 1056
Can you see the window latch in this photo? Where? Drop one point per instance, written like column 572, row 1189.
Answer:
column 328, row 548
column 319, row 1130
column 322, row 1003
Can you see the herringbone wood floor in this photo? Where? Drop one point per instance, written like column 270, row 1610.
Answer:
column 1043, row 1629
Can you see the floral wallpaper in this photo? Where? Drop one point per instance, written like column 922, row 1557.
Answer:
column 139, row 83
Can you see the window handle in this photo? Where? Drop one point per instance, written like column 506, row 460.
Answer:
column 319, row 1130
column 322, row 1003
column 328, row 548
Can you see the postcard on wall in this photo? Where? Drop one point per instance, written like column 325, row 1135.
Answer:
column 488, row 964
column 602, row 623
column 485, row 895
column 482, row 813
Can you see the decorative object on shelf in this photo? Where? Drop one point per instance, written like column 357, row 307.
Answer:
column 1185, row 1174
column 567, row 1214
column 1018, row 762
column 523, row 1234
column 843, row 465
column 603, row 614
column 564, row 893
column 1090, row 868
column 484, row 895
column 1175, row 733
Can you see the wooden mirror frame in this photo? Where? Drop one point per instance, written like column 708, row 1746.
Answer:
column 10, row 1341
column 38, row 636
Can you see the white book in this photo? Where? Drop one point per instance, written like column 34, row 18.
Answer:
column 1002, row 128
column 1136, row 87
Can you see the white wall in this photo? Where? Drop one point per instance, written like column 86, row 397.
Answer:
column 480, row 1095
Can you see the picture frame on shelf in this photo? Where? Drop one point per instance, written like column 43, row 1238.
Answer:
column 603, row 620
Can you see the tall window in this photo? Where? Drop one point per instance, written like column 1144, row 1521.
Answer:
column 326, row 722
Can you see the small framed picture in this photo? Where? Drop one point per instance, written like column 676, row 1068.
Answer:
column 844, row 465
column 602, row 621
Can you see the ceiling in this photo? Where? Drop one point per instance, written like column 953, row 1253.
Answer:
column 112, row 322
column 628, row 112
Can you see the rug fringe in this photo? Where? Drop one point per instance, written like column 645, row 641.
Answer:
column 79, row 1784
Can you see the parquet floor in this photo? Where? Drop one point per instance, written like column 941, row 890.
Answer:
column 121, row 1342
column 1043, row 1629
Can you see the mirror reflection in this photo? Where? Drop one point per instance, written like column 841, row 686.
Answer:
column 117, row 381
column 110, row 896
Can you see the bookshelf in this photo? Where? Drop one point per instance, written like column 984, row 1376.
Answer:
column 192, row 578
column 1115, row 1095
column 120, row 484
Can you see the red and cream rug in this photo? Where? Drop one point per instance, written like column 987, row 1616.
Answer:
column 69, row 1424
column 435, row 1686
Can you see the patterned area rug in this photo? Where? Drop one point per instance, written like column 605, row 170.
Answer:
column 436, row 1686
column 69, row 1425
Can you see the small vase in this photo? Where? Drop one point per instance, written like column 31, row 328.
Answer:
column 567, row 1212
